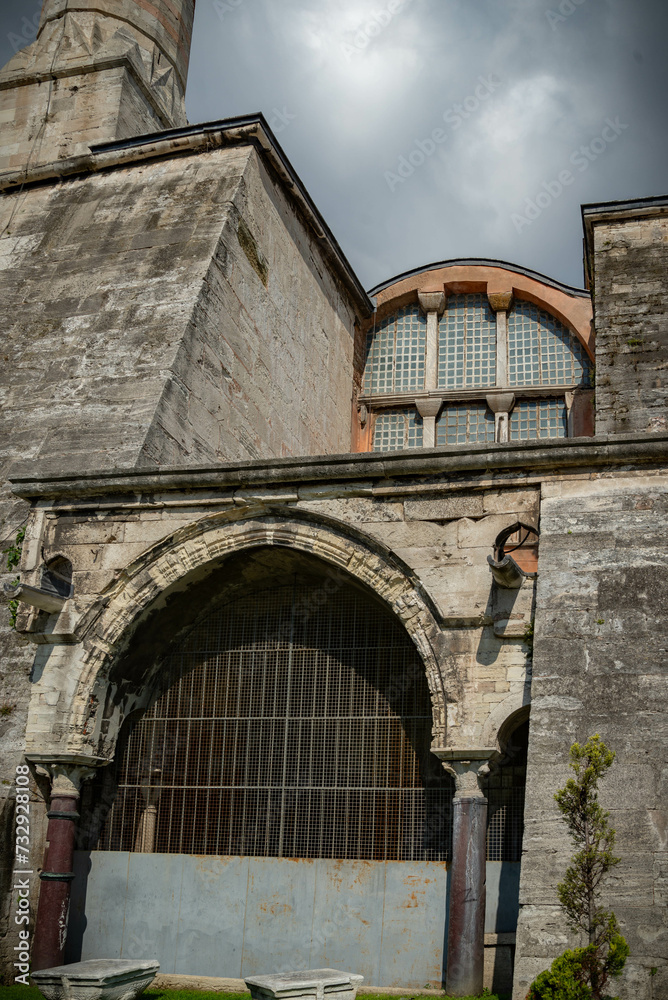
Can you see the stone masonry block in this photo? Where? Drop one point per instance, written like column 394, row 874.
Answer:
column 482, row 533
column 524, row 503
column 444, row 508
column 356, row 510
column 405, row 536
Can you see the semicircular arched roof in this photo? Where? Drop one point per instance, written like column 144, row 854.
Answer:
column 572, row 306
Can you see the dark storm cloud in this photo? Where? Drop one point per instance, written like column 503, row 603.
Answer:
column 430, row 129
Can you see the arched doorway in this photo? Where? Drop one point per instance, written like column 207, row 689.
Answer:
column 287, row 740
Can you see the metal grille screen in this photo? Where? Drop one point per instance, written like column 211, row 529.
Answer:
column 284, row 732
column 505, row 801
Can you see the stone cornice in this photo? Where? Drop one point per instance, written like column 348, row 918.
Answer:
column 44, row 481
column 247, row 130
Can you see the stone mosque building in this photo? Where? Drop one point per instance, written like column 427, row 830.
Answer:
column 317, row 585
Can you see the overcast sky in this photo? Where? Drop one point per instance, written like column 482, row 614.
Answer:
column 431, row 129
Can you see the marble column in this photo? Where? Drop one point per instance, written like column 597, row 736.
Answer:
column 501, row 403
column 428, row 409
column 67, row 776
column 466, row 915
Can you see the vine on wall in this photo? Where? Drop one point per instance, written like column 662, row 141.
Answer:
column 13, row 554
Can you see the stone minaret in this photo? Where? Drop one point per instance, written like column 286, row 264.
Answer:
column 99, row 70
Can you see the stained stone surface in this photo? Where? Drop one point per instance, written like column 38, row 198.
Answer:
column 599, row 666
column 97, row 979
column 630, row 264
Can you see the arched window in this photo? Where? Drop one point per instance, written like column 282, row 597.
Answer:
column 293, row 722
column 523, row 352
column 467, row 343
column 542, row 351
column 396, row 353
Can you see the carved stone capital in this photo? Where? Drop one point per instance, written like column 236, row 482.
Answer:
column 500, row 301
column 468, row 768
column 500, row 402
column 432, row 302
column 66, row 772
column 428, row 406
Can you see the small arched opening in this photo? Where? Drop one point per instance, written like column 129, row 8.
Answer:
column 57, row 577
column 505, row 791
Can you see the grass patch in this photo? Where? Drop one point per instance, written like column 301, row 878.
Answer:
column 159, row 994
column 18, row 992
column 155, row 993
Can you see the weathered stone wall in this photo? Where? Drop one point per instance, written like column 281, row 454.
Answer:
column 146, row 321
column 100, row 106
column 600, row 667
column 630, row 268
column 169, row 312
column 265, row 366
column 446, row 548
column 417, row 531
column 440, row 534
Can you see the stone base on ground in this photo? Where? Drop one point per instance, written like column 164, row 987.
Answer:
column 305, row 984
column 97, row 979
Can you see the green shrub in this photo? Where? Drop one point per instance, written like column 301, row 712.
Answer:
column 584, row 973
column 563, row 981
column 568, row 974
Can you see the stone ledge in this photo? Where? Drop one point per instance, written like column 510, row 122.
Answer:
column 499, row 940
column 50, row 479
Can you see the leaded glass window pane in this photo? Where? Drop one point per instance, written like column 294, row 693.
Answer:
column 542, row 351
column 397, row 429
column 395, row 353
column 538, row 418
column 466, row 422
column 467, row 343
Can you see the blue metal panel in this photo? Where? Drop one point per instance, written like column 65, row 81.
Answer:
column 503, row 893
column 106, row 894
column 77, row 918
column 211, row 915
column 348, row 917
column 232, row 917
column 152, row 908
column 413, row 924
column 279, row 915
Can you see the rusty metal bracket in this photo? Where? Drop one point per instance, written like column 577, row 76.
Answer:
column 504, row 569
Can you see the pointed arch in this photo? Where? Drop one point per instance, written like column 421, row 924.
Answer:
column 178, row 564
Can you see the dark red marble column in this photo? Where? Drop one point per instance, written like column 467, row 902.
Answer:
column 466, row 928
column 57, row 874
column 467, row 878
